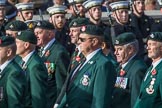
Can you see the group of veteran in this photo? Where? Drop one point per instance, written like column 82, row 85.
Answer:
column 82, row 62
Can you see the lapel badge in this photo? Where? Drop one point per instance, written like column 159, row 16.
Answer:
column 122, row 72
column 47, row 53
column 150, row 89
column 148, row 29
column 85, row 80
column 146, row 20
column 90, row 62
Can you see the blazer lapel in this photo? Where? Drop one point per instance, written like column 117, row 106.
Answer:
column 88, row 65
column 147, row 82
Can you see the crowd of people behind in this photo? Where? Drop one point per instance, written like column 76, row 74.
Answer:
column 80, row 61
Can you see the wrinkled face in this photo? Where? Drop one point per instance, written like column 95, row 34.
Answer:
column 27, row 14
column 2, row 12
column 139, row 6
column 154, row 49
column 11, row 33
column 41, row 35
column 74, row 34
column 20, row 47
column 122, row 15
column 122, row 54
column 81, row 9
column 3, row 55
column 96, row 12
column 58, row 20
column 85, row 43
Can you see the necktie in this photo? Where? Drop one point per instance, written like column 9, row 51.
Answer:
column 41, row 51
column 74, row 57
column 77, row 69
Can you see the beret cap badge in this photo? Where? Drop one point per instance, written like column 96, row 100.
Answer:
column 38, row 24
column 19, row 33
column 11, row 26
column 75, row 24
column 116, row 42
column 152, row 35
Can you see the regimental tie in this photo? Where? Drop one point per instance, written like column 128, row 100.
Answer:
column 74, row 57
column 75, row 72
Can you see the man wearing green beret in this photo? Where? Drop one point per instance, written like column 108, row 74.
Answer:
column 13, row 27
column 12, row 77
column 56, row 58
column 151, row 89
column 36, row 72
column 77, row 56
column 90, row 84
column 130, row 72
column 57, row 18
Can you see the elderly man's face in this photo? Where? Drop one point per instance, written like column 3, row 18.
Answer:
column 154, row 49
column 122, row 53
column 42, row 36
column 74, row 34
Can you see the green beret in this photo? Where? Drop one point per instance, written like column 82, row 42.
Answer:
column 155, row 36
column 27, row 36
column 125, row 38
column 6, row 40
column 78, row 22
column 16, row 26
column 92, row 30
column 44, row 25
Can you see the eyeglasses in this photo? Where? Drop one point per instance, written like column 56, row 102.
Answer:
column 84, row 39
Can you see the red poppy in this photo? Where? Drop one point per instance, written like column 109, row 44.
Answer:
column 153, row 72
column 77, row 58
column 47, row 53
column 122, row 72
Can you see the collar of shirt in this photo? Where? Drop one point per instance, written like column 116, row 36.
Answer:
column 2, row 67
column 156, row 63
column 90, row 56
column 49, row 44
column 26, row 58
column 123, row 65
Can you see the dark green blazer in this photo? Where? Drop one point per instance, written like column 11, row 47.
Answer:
column 152, row 100
column 13, row 83
column 135, row 71
column 92, row 86
column 36, row 74
column 59, row 56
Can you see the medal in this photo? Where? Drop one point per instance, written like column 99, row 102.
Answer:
column 150, row 89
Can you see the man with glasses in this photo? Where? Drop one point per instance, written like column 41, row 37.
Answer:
column 90, row 84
